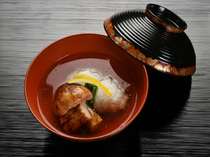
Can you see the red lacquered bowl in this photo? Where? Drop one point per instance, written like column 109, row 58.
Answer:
column 86, row 47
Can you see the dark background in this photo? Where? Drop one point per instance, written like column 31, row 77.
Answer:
column 176, row 116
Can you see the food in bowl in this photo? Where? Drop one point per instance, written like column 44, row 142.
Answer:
column 87, row 95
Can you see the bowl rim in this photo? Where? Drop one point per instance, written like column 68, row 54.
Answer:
column 73, row 138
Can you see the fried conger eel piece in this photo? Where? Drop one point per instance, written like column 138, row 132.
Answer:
column 94, row 122
column 75, row 118
column 78, row 116
column 69, row 96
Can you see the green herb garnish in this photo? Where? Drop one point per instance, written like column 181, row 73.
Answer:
column 94, row 90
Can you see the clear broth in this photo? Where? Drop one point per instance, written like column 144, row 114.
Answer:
column 107, row 66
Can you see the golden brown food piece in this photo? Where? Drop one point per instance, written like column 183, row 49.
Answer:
column 94, row 122
column 75, row 118
column 68, row 96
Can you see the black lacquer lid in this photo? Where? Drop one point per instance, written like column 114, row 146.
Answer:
column 155, row 37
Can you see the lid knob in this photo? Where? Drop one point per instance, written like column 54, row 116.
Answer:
column 166, row 18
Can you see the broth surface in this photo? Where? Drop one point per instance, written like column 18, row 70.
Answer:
column 66, row 67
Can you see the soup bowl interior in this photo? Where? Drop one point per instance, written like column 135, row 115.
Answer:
column 86, row 48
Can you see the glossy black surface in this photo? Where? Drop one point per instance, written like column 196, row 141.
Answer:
column 153, row 40
column 176, row 117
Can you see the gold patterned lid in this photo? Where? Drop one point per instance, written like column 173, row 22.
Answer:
column 155, row 37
